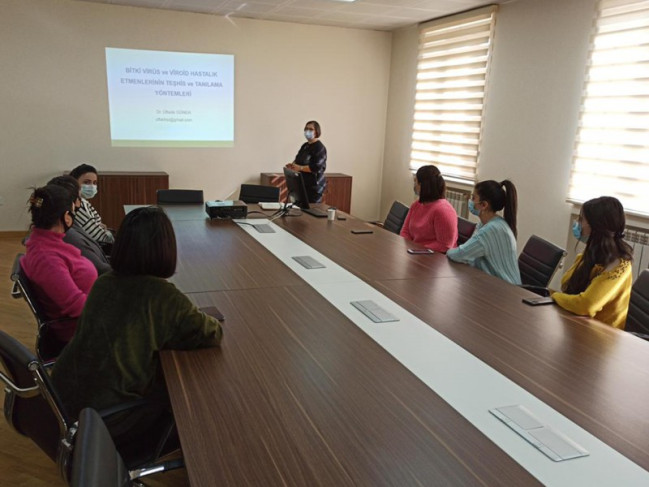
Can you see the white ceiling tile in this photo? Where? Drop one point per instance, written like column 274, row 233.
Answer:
column 363, row 14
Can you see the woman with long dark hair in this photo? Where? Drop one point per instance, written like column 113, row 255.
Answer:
column 599, row 282
column 431, row 220
column 492, row 248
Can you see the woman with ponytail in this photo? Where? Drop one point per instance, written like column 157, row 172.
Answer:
column 431, row 220
column 492, row 248
column 599, row 282
column 60, row 276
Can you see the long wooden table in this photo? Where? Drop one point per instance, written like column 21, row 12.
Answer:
column 298, row 395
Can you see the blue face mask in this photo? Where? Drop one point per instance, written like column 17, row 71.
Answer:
column 576, row 231
column 473, row 209
column 309, row 134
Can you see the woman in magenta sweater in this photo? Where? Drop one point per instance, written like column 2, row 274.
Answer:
column 431, row 221
column 60, row 276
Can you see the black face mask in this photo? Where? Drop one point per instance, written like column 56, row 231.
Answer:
column 65, row 225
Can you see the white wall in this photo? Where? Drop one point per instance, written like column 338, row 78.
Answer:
column 537, row 72
column 54, row 103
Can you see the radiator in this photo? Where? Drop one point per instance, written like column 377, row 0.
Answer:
column 639, row 240
column 459, row 199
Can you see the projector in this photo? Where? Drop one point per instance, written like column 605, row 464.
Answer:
column 226, row 209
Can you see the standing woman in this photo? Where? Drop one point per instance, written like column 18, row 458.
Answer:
column 311, row 161
column 492, row 248
column 87, row 217
column 599, row 282
column 60, row 276
column 431, row 220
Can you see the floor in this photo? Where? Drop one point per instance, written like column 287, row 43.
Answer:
column 21, row 461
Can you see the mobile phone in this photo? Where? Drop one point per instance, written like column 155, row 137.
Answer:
column 213, row 311
column 421, row 251
column 357, row 232
column 538, row 301
column 342, row 218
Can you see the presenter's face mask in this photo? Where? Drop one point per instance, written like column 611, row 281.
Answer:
column 88, row 191
column 309, row 134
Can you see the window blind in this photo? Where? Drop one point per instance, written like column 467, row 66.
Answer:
column 454, row 54
column 611, row 155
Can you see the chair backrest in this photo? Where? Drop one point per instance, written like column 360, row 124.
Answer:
column 637, row 320
column 465, row 229
column 95, row 460
column 48, row 346
column 256, row 193
column 32, row 406
column 396, row 217
column 539, row 261
column 179, row 196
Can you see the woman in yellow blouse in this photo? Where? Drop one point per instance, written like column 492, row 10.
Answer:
column 599, row 282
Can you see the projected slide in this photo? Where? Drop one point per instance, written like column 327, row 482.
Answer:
column 170, row 99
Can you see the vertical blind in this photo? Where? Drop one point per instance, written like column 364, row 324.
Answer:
column 611, row 155
column 454, row 55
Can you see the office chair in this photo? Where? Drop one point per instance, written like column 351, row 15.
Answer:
column 637, row 321
column 538, row 262
column 396, row 217
column 34, row 409
column 96, row 461
column 48, row 346
column 256, row 193
column 465, row 229
column 179, row 196
column 31, row 405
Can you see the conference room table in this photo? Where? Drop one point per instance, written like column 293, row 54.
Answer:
column 298, row 395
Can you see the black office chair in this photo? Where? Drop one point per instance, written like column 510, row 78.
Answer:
column 538, row 262
column 256, row 193
column 179, row 196
column 637, row 321
column 96, row 461
column 48, row 347
column 396, row 217
column 34, row 409
column 465, row 229
column 31, row 405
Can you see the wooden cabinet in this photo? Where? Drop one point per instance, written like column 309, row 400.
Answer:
column 338, row 192
column 117, row 189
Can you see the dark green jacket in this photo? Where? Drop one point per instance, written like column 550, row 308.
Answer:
column 113, row 357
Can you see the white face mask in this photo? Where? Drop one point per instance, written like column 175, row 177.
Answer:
column 309, row 134
column 88, row 191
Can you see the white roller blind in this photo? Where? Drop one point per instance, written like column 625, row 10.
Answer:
column 612, row 148
column 454, row 55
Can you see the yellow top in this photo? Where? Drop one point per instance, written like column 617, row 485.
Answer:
column 607, row 296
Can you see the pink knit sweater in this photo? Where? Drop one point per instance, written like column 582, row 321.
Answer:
column 433, row 225
column 61, row 278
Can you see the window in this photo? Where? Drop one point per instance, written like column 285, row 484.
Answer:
column 612, row 147
column 454, row 54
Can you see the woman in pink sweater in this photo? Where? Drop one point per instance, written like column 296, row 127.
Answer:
column 431, row 221
column 61, row 278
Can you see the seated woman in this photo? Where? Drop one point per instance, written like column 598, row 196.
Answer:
column 132, row 314
column 87, row 217
column 76, row 236
column 60, row 276
column 492, row 248
column 599, row 282
column 431, row 220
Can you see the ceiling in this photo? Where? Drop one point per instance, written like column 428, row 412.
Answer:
column 361, row 14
